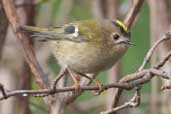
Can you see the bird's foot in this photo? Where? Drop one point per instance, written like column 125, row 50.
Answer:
column 77, row 87
column 100, row 86
column 76, row 80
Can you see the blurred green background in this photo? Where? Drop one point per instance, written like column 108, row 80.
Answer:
column 82, row 10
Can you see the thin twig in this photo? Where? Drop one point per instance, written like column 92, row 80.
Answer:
column 133, row 102
column 161, row 73
column 147, row 58
column 133, row 12
column 161, row 63
column 61, row 74
column 126, row 86
column 64, row 89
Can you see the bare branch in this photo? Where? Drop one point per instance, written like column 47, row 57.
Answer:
column 150, row 52
column 144, row 74
column 40, row 76
column 133, row 102
column 136, row 6
column 161, row 63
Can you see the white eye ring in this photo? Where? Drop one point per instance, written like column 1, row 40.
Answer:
column 115, row 36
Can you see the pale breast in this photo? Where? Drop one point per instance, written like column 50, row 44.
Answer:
column 82, row 57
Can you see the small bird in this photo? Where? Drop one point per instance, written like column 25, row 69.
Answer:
column 87, row 46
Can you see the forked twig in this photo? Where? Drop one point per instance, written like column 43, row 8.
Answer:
column 147, row 58
column 133, row 102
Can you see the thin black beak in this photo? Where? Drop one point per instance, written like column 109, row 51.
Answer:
column 129, row 42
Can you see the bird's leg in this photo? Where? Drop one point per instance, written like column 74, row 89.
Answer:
column 62, row 73
column 101, row 87
column 76, row 80
column 98, row 84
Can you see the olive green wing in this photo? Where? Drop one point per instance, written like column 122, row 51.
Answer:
column 68, row 32
column 90, row 29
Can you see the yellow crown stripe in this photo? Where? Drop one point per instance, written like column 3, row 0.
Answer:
column 122, row 25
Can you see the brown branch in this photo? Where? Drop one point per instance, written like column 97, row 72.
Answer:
column 127, row 86
column 40, row 76
column 24, row 14
column 22, row 103
column 133, row 12
column 150, row 52
column 60, row 90
column 133, row 102
column 161, row 63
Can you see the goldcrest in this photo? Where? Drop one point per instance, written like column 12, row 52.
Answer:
column 88, row 46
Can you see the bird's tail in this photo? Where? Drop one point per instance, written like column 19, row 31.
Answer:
column 55, row 33
column 34, row 29
column 41, row 34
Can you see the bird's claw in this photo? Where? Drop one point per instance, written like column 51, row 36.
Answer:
column 77, row 87
column 101, row 88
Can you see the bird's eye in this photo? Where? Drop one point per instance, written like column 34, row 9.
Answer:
column 115, row 36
